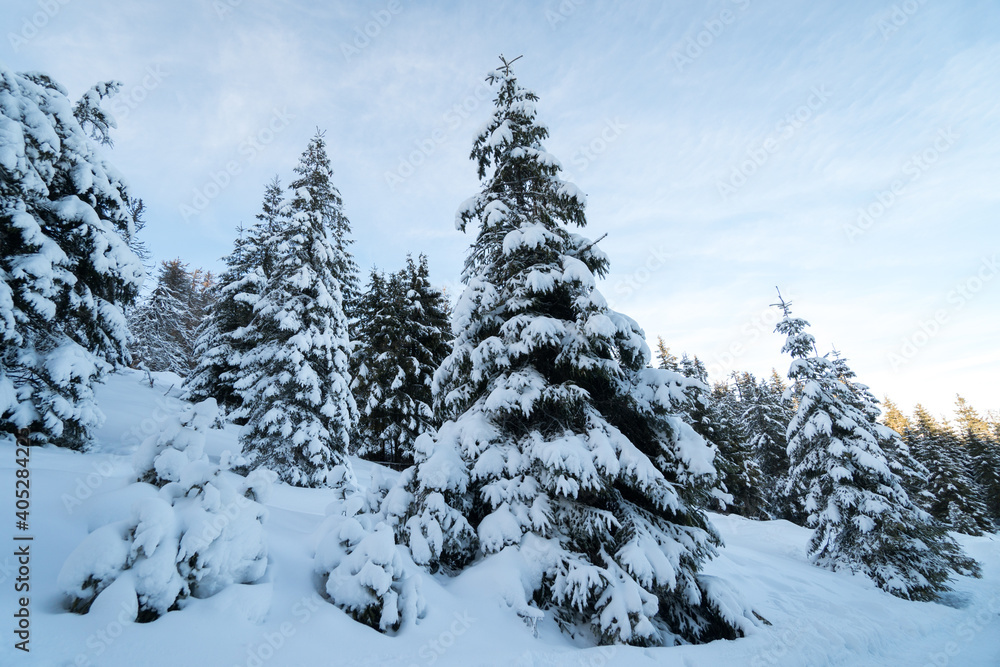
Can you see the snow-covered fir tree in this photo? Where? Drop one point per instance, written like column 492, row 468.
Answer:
column 188, row 528
column 953, row 495
column 863, row 519
column 559, row 440
column 314, row 175
column 404, row 337
column 371, row 373
column 294, row 382
column 738, row 469
column 711, row 413
column 764, row 418
column 66, row 270
column 745, row 482
column 165, row 325
column 912, row 474
column 983, row 449
column 225, row 335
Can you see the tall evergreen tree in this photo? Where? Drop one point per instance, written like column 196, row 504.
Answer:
column 405, row 338
column 894, row 417
column 740, row 472
column 294, row 382
column 315, row 192
column 165, row 325
column 559, row 439
column 983, row 449
column 375, row 371
column 863, row 519
column 912, row 474
column 765, row 416
column 66, row 270
column 226, row 336
column 953, row 496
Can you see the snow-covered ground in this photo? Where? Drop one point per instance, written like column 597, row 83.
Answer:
column 816, row 617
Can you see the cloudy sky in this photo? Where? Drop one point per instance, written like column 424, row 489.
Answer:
column 844, row 151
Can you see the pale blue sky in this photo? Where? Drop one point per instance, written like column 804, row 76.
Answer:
column 725, row 147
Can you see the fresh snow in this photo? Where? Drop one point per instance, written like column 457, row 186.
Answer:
column 480, row 617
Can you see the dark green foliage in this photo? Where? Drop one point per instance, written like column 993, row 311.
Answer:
column 953, row 496
column 403, row 336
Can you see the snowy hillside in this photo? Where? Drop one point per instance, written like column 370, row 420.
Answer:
column 815, row 617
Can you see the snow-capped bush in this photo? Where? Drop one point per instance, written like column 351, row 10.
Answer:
column 362, row 569
column 194, row 527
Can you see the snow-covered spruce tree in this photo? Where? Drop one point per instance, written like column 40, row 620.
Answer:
column 894, row 418
column 710, row 414
column 746, row 482
column 164, row 325
column 190, row 530
column 377, row 311
column 863, row 519
column 983, row 449
column 405, row 338
column 764, row 418
column 66, row 270
column 294, row 382
column 912, row 474
column 560, row 443
column 424, row 342
column 737, row 465
column 225, row 335
column 314, row 175
column 953, row 497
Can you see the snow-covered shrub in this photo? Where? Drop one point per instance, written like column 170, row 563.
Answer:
column 194, row 527
column 438, row 534
column 362, row 569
